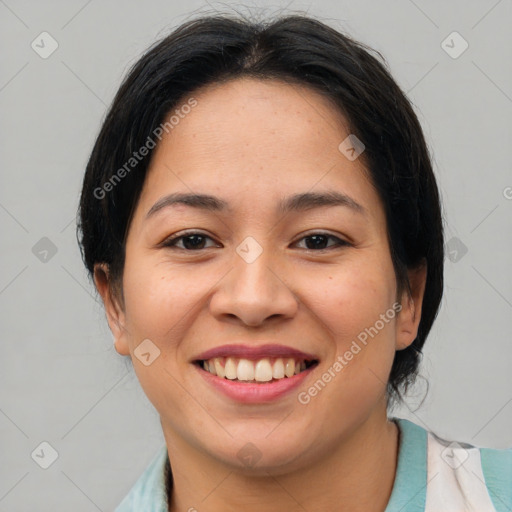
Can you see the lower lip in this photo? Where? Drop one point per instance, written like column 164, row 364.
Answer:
column 255, row 393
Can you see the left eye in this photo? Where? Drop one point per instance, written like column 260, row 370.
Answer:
column 196, row 241
column 318, row 239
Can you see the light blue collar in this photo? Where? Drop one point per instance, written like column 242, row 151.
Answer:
column 410, row 487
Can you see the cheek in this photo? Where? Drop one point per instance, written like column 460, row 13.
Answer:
column 357, row 309
column 356, row 306
column 160, row 306
column 159, row 301
column 353, row 298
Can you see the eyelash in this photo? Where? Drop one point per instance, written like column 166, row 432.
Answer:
column 171, row 242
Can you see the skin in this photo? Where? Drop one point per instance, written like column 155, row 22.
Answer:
column 253, row 143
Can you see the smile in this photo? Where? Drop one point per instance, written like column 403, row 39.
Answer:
column 254, row 374
column 261, row 370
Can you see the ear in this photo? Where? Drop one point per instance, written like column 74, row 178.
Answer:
column 115, row 314
column 410, row 315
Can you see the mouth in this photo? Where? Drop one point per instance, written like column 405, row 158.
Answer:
column 254, row 374
column 256, row 371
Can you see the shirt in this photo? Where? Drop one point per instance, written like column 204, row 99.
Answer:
column 433, row 475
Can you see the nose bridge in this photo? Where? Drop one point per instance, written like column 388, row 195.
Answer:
column 254, row 268
column 254, row 290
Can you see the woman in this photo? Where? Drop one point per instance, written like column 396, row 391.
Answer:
column 261, row 219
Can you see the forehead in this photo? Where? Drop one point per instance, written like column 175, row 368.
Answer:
column 270, row 115
column 257, row 138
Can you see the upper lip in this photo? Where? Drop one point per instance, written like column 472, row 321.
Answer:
column 254, row 352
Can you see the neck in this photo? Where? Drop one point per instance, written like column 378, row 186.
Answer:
column 358, row 475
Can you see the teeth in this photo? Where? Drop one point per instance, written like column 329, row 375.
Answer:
column 278, row 370
column 219, row 369
column 289, row 367
column 230, row 368
column 263, row 370
column 245, row 370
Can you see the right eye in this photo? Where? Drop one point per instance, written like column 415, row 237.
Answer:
column 191, row 241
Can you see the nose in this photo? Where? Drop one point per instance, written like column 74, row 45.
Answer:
column 253, row 293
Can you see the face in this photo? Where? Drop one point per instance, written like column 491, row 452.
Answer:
column 266, row 277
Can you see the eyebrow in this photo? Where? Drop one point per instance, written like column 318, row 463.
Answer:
column 295, row 203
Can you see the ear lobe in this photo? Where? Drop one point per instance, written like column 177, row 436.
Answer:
column 114, row 312
column 410, row 315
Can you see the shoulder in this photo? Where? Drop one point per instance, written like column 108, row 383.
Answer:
column 459, row 475
column 148, row 492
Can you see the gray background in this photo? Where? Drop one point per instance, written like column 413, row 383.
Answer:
column 61, row 380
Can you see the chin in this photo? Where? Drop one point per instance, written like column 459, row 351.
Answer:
column 263, row 456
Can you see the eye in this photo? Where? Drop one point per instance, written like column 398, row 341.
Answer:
column 318, row 241
column 192, row 241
